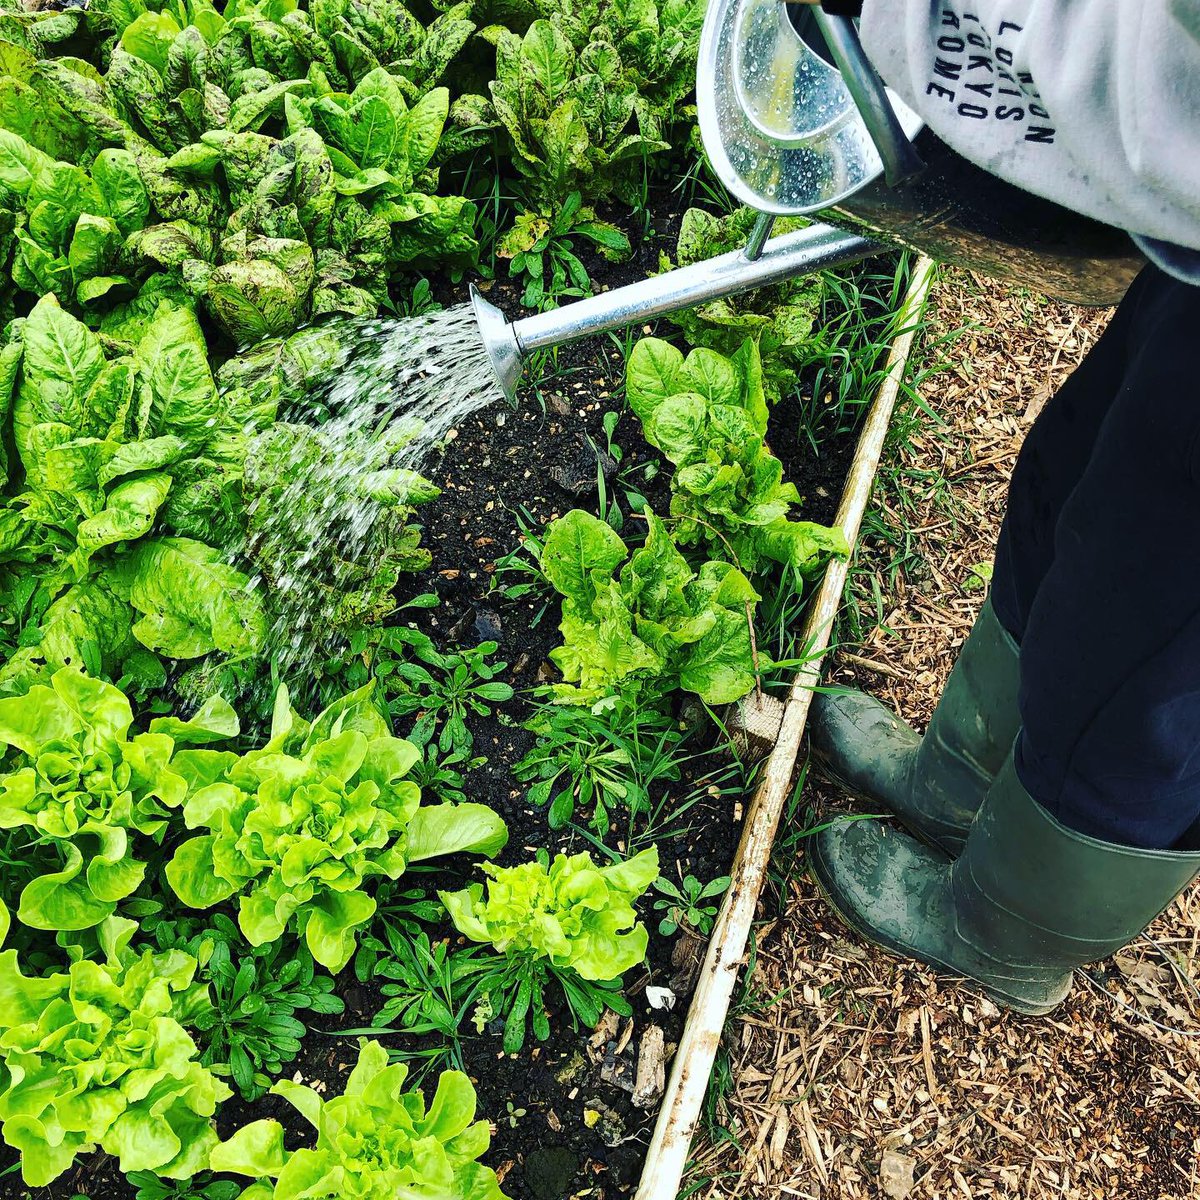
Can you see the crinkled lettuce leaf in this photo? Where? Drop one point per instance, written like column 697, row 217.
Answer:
column 99, row 1056
column 576, row 914
column 383, row 1137
column 297, row 829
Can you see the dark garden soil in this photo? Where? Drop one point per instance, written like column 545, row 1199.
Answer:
column 564, row 1124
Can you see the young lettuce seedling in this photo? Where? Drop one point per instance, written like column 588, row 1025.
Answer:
column 568, row 921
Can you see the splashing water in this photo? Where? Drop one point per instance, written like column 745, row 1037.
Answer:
column 328, row 518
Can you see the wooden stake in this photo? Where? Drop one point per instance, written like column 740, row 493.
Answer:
column 667, row 1155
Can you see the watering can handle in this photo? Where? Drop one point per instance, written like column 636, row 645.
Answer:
column 900, row 161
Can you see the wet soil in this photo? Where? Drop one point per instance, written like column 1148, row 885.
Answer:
column 561, row 1127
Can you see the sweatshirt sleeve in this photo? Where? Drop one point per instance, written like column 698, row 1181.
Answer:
column 1094, row 104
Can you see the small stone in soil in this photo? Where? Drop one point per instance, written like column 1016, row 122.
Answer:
column 610, row 1124
column 617, row 1068
column 573, row 1070
column 577, row 474
column 488, row 625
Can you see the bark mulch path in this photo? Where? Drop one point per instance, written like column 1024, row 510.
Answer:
column 859, row 1075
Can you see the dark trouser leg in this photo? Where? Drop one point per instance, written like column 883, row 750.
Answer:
column 1052, row 461
column 1110, row 632
column 935, row 784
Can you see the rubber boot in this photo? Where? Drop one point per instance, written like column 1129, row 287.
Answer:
column 936, row 783
column 1026, row 902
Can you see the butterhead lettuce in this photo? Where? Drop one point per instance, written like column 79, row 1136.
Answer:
column 570, row 911
column 296, row 829
column 102, row 439
column 708, row 414
column 375, row 1140
column 99, row 1056
column 84, row 784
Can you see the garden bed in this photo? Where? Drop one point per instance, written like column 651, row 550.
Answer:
column 561, row 1123
column 274, row 685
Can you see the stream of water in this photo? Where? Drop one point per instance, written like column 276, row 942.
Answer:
column 326, row 525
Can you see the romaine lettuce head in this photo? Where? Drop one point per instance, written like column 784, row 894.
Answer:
column 708, row 415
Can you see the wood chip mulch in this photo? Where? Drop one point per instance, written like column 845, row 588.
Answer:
column 861, row 1075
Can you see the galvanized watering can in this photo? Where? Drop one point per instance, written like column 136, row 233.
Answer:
column 795, row 121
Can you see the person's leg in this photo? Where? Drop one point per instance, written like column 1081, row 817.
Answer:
column 1110, row 651
column 935, row 784
column 1084, row 836
column 1052, row 460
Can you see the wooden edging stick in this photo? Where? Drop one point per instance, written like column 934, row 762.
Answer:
column 666, row 1157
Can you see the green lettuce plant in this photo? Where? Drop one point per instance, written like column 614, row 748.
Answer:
column 139, row 480
column 297, row 828
column 573, row 115
column 382, row 148
column 348, row 586
column 79, row 782
column 386, row 33
column 72, row 221
column 114, row 434
column 708, row 415
column 779, row 318
column 345, row 587
column 645, row 621
column 99, row 1055
column 187, row 157
column 250, row 42
column 656, row 44
column 567, row 920
column 38, row 30
column 572, row 912
column 374, row 1140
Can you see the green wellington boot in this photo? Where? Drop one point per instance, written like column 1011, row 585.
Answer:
column 1026, row 902
column 936, row 783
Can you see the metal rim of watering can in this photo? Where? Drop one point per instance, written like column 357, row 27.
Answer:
column 811, row 160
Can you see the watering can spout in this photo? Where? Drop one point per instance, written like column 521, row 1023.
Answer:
column 815, row 248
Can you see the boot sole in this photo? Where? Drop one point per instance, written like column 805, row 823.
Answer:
column 942, row 969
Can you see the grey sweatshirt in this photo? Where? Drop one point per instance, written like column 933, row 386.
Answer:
column 1094, row 104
